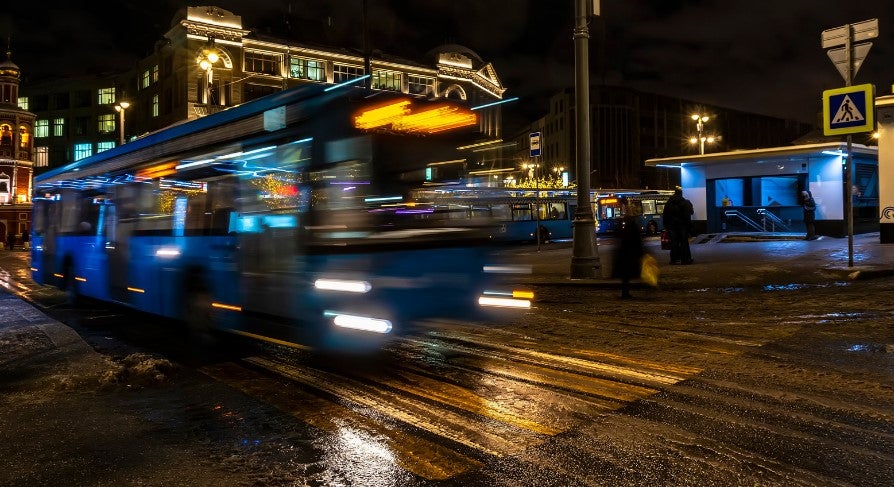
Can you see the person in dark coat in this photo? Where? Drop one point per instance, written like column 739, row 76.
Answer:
column 10, row 240
column 629, row 253
column 809, row 206
column 677, row 218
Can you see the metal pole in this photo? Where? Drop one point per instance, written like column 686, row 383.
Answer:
column 121, row 128
column 848, row 203
column 537, row 204
column 585, row 255
column 367, row 62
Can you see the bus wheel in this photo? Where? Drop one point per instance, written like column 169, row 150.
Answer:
column 652, row 228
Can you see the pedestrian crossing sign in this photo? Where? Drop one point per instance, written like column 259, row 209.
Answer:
column 849, row 110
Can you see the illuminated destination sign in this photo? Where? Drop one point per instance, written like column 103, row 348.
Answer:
column 403, row 116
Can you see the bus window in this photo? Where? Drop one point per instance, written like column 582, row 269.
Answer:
column 649, row 207
column 501, row 212
column 522, row 213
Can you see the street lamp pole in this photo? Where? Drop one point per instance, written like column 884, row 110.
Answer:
column 700, row 127
column 584, row 253
column 120, row 108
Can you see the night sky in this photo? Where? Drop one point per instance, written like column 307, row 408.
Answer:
column 761, row 56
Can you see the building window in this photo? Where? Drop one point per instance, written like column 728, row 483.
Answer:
column 258, row 62
column 81, row 99
column 61, row 101
column 144, row 80
column 82, row 150
column 420, row 85
column 311, row 69
column 23, row 102
column 101, row 146
column 154, row 105
column 58, row 127
column 387, row 80
column 154, row 76
column 24, row 137
column 251, row 91
column 82, row 125
column 345, row 72
column 106, row 96
column 42, row 128
column 106, row 123
column 41, row 156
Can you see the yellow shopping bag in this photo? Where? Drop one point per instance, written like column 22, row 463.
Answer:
column 649, row 272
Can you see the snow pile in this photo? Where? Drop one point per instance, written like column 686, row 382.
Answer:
column 138, row 369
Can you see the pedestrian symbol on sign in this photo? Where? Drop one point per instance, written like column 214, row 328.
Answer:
column 847, row 113
column 849, row 110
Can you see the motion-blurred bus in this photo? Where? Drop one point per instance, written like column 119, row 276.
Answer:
column 281, row 219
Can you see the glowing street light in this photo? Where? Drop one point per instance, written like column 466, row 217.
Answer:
column 206, row 58
column 700, row 121
column 120, row 108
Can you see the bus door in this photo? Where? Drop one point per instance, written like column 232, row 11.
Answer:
column 270, row 207
column 120, row 223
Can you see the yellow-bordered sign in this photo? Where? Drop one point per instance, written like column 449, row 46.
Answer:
column 849, row 110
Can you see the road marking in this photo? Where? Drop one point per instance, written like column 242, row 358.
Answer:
column 416, row 455
column 439, row 421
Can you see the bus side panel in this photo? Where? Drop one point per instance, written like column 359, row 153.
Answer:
column 161, row 266
column 83, row 257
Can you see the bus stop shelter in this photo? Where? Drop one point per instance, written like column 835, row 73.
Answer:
column 759, row 190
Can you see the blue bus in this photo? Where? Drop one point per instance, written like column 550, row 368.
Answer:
column 646, row 205
column 282, row 219
column 518, row 215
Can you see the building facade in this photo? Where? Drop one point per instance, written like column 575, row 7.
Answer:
column 16, row 166
column 629, row 127
column 207, row 61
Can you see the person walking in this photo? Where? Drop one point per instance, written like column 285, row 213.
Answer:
column 10, row 240
column 629, row 253
column 809, row 206
column 677, row 218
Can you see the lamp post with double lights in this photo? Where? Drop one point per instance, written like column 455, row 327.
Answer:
column 206, row 58
column 120, row 108
column 700, row 121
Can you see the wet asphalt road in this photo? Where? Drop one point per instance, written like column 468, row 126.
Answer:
column 684, row 385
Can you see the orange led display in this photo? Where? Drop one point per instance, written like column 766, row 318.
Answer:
column 400, row 117
column 158, row 171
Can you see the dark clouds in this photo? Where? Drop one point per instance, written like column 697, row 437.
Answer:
column 761, row 56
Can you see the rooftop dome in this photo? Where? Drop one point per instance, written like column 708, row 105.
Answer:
column 455, row 48
column 9, row 68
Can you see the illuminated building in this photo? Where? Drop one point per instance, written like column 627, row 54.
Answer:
column 16, row 139
column 207, row 61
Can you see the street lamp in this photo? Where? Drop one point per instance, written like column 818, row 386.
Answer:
column 120, row 108
column 206, row 58
column 700, row 127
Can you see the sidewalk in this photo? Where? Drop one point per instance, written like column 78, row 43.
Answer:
column 732, row 262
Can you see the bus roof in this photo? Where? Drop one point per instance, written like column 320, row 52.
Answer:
column 99, row 163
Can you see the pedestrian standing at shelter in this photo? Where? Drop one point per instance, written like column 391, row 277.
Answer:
column 677, row 218
column 629, row 253
column 809, row 206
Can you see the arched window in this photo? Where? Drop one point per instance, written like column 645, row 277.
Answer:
column 24, row 137
column 5, row 134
